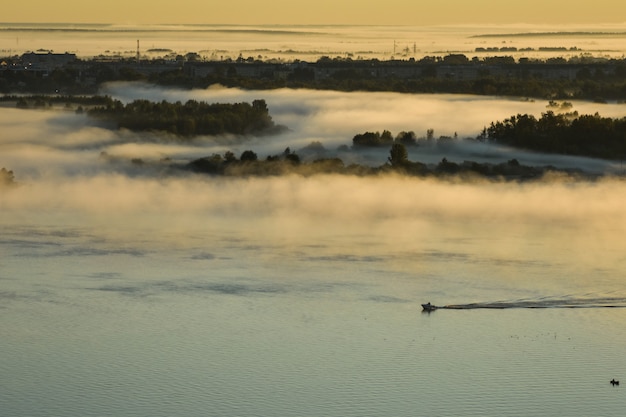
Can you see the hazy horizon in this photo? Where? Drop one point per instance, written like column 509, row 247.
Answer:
column 321, row 12
column 310, row 42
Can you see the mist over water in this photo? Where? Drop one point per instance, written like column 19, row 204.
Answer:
column 333, row 118
column 134, row 289
column 57, row 160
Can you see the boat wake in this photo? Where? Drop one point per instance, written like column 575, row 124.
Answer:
column 603, row 302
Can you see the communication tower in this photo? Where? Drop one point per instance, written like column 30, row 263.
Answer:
column 138, row 55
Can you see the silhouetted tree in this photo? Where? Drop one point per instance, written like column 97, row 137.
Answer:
column 366, row 139
column 406, row 138
column 386, row 137
column 248, row 156
column 229, row 156
column 291, row 156
column 398, row 155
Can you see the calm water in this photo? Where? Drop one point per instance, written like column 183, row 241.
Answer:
column 233, row 318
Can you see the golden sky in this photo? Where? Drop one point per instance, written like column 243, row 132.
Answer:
column 384, row 12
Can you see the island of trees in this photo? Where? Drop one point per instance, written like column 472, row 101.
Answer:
column 192, row 118
column 556, row 131
column 248, row 164
column 189, row 119
column 568, row 133
column 561, row 132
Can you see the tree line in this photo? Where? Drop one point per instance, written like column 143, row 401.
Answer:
column 189, row 119
column 42, row 101
column 588, row 84
column 248, row 164
column 386, row 138
column 554, row 132
column 567, row 133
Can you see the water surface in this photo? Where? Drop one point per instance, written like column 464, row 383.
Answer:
column 129, row 291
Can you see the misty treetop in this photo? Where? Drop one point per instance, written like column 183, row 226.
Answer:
column 377, row 139
column 189, row 119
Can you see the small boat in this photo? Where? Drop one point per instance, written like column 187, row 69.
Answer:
column 429, row 307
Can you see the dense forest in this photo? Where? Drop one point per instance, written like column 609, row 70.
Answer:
column 188, row 119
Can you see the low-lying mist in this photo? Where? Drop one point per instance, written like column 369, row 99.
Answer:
column 38, row 143
column 333, row 118
column 64, row 182
column 572, row 222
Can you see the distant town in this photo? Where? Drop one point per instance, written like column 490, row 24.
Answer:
column 580, row 77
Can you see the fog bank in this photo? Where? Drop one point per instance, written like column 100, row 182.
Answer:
column 574, row 224
column 64, row 180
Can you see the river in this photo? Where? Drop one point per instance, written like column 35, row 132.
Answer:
column 131, row 291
